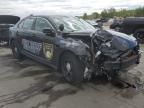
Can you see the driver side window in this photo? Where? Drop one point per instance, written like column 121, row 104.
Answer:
column 41, row 24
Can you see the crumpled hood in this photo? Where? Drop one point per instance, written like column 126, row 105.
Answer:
column 119, row 41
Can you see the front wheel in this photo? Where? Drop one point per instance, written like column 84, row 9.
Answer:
column 71, row 67
column 15, row 50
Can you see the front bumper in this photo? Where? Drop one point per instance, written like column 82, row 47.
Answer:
column 122, row 64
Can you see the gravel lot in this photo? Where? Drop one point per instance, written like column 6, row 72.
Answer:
column 28, row 84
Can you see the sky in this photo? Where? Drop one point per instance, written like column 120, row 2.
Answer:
column 66, row 7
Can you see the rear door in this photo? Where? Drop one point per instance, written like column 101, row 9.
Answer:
column 25, row 35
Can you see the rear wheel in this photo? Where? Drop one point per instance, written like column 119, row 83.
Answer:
column 139, row 35
column 71, row 67
column 15, row 50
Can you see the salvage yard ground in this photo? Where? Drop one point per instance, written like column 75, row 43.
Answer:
column 28, row 84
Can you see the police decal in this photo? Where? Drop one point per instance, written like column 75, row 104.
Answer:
column 48, row 50
column 31, row 46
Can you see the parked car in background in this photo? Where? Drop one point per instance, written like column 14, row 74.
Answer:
column 103, row 20
column 135, row 26
column 7, row 21
column 116, row 24
column 93, row 23
column 73, row 47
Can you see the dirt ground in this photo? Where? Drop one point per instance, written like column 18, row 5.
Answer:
column 28, row 84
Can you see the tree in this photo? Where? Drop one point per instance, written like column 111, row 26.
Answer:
column 104, row 13
column 85, row 16
column 139, row 12
column 110, row 13
column 95, row 15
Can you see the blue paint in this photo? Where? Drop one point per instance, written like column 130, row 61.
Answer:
column 131, row 41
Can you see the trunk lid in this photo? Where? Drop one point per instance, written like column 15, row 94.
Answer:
column 9, row 19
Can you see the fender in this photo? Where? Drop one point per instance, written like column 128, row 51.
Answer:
column 77, row 47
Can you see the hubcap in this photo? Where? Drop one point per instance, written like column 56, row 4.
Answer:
column 67, row 70
column 15, row 49
column 68, row 67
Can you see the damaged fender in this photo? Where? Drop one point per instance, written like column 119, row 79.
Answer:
column 77, row 47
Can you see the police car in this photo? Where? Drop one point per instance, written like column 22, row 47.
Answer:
column 73, row 47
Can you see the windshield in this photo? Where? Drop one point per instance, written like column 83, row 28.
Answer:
column 72, row 23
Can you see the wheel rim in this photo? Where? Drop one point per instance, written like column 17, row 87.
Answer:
column 67, row 70
column 15, row 49
column 68, row 67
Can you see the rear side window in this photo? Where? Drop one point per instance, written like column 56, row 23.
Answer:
column 28, row 23
column 41, row 24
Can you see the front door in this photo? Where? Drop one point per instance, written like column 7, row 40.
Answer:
column 46, row 42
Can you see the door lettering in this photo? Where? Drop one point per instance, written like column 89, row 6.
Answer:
column 32, row 46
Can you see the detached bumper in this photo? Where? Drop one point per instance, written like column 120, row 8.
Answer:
column 122, row 64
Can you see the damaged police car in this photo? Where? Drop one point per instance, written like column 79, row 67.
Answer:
column 73, row 47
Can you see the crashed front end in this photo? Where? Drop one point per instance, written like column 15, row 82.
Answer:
column 109, row 53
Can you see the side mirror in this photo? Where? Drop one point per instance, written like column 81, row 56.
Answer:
column 61, row 27
column 49, row 32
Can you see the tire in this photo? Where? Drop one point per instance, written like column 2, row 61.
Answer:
column 139, row 35
column 15, row 50
column 71, row 68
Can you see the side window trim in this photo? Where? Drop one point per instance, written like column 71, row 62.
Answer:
column 23, row 21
